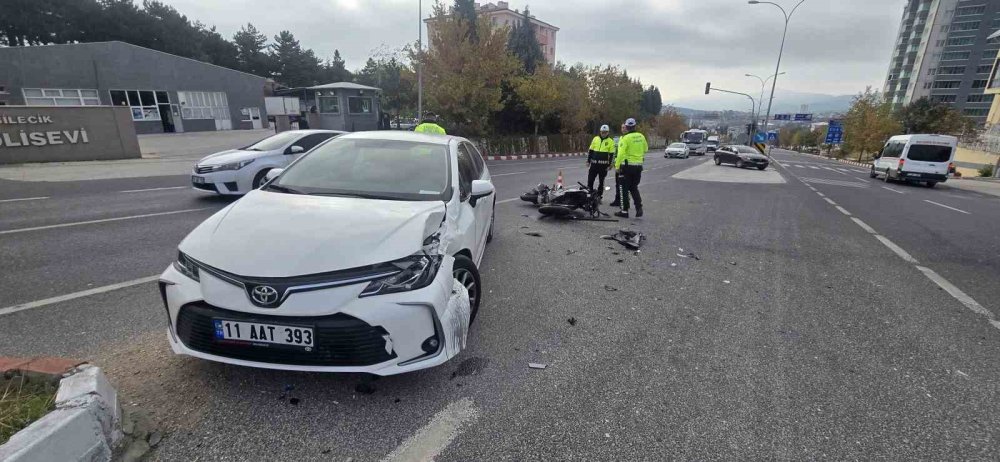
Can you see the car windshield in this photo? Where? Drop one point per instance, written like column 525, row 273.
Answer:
column 693, row 137
column 929, row 153
column 274, row 142
column 678, row 145
column 371, row 168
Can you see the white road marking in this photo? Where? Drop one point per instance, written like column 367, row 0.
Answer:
column 849, row 184
column 75, row 295
column 505, row 174
column 431, row 440
column 154, row 189
column 814, row 167
column 830, row 201
column 25, row 199
column 897, row 249
column 508, row 200
column 947, row 207
column 962, row 297
column 843, row 210
column 820, row 194
column 864, row 225
column 893, row 190
column 800, row 166
column 106, row 220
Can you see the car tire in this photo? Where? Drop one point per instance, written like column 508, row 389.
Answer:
column 493, row 220
column 872, row 174
column 718, row 161
column 930, row 184
column 258, row 179
column 761, row 167
column 887, row 178
column 739, row 164
column 467, row 274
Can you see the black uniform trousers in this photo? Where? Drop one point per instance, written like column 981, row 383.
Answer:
column 631, row 175
column 597, row 172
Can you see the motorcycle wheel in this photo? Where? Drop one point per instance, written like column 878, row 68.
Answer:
column 555, row 210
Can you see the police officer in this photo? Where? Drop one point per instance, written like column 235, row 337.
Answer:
column 602, row 149
column 429, row 125
column 618, row 175
column 632, row 149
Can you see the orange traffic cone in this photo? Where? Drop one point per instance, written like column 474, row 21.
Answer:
column 559, row 180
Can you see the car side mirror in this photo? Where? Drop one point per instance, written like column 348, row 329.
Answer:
column 272, row 174
column 480, row 189
column 296, row 149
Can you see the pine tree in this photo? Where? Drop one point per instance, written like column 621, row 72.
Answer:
column 465, row 11
column 251, row 51
column 523, row 43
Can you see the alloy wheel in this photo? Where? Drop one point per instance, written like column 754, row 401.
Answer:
column 466, row 278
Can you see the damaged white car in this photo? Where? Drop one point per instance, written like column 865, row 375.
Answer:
column 361, row 256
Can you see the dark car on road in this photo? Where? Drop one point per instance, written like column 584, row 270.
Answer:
column 741, row 157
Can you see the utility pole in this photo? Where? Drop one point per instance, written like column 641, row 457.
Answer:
column 781, row 51
column 420, row 60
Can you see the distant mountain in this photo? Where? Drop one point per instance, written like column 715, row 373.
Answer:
column 784, row 102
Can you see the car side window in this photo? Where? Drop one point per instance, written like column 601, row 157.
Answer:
column 466, row 172
column 309, row 141
column 477, row 158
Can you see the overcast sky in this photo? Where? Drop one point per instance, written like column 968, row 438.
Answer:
column 834, row 46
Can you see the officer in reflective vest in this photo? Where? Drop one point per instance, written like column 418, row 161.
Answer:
column 602, row 149
column 429, row 125
column 632, row 149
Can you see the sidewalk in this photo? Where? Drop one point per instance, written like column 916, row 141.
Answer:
column 983, row 185
column 162, row 155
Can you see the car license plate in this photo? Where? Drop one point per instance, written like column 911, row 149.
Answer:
column 252, row 332
column 198, row 179
column 912, row 174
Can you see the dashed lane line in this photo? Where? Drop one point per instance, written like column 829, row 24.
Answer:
column 430, row 441
column 962, row 297
column 106, row 220
column 896, row 249
column 864, row 225
column 153, row 189
column 893, row 190
column 828, row 200
column 505, row 174
column 947, row 207
column 75, row 295
column 843, row 210
column 22, row 199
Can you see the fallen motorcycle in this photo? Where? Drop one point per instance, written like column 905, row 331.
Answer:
column 581, row 204
column 539, row 194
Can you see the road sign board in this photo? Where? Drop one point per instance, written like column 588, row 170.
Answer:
column 772, row 136
column 760, row 147
column 803, row 117
column 760, row 137
column 835, row 132
column 782, row 117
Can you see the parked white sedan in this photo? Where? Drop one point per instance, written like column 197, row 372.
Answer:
column 349, row 260
column 238, row 171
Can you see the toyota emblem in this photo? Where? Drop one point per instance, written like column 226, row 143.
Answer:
column 264, row 295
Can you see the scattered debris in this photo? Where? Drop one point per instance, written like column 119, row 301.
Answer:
column 294, row 401
column 725, row 282
column 689, row 255
column 607, row 435
column 570, row 252
column 963, row 374
column 732, row 263
column 630, row 239
column 396, row 400
column 680, row 249
column 533, row 234
column 525, row 227
column 673, row 264
column 471, row 366
column 610, row 289
column 620, row 260
column 537, row 366
column 571, row 321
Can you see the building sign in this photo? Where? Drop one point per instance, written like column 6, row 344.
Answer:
column 34, row 136
column 60, row 134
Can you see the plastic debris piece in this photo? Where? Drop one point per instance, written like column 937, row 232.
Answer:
column 610, row 289
column 673, row 264
column 294, row 401
column 537, row 366
column 725, row 282
column 533, row 234
column 571, row 321
column 732, row 263
column 630, row 239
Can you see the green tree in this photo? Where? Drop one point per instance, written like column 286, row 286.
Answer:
column 251, row 51
column 573, row 104
column 215, row 49
column 651, row 103
column 868, row 124
column 465, row 11
column 293, row 66
column 670, row 124
column 614, row 95
column 335, row 70
column 540, row 93
column 462, row 78
column 926, row 116
column 523, row 43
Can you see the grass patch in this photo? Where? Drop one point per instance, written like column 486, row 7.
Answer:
column 22, row 401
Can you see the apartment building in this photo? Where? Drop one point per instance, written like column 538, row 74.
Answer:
column 500, row 14
column 944, row 52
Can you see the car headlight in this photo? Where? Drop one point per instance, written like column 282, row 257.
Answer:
column 186, row 266
column 233, row 165
column 416, row 271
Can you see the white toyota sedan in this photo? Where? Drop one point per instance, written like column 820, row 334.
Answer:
column 353, row 259
column 238, row 171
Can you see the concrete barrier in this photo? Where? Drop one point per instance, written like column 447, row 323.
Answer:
column 71, row 133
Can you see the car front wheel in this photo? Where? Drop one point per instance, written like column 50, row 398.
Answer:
column 872, row 173
column 467, row 274
column 258, row 179
column 493, row 220
column 718, row 161
column 739, row 163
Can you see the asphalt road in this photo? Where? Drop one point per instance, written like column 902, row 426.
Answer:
column 796, row 333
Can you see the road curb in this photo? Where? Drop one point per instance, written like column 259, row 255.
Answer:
column 84, row 426
column 536, row 156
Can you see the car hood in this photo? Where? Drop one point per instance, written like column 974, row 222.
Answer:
column 753, row 155
column 230, row 156
column 676, row 149
column 267, row 234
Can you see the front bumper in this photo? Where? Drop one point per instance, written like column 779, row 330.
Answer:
column 223, row 182
column 382, row 335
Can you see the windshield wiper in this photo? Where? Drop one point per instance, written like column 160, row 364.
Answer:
column 358, row 195
column 286, row 190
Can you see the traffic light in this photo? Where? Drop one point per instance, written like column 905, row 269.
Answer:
column 749, row 129
column 708, row 87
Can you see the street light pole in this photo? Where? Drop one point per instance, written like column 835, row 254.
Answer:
column 420, row 60
column 753, row 104
column 781, row 51
column 760, row 102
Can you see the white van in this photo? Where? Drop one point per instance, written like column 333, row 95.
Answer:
column 916, row 158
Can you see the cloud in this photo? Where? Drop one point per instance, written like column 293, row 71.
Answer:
column 833, row 47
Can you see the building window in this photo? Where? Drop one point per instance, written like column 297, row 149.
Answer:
column 951, row 70
column 947, row 84
column 966, row 26
column 979, row 83
column 980, row 99
column 60, row 97
column 970, row 10
column 142, row 102
column 359, row 105
column 976, row 112
column 944, row 98
column 329, row 102
column 939, row 44
column 927, row 85
column 932, row 71
column 956, row 55
column 984, row 69
column 204, row 105
column 945, row 28
column 960, row 41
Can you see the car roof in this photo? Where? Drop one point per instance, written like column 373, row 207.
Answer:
column 312, row 132
column 399, row 135
column 925, row 137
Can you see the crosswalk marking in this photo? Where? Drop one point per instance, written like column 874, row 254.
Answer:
column 849, row 184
